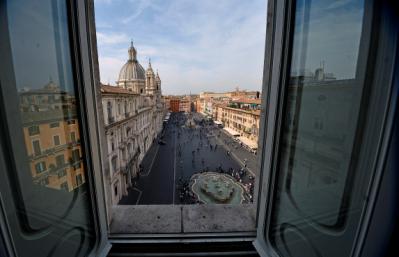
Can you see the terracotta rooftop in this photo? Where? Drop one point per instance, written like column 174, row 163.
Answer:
column 255, row 112
column 247, row 101
column 115, row 90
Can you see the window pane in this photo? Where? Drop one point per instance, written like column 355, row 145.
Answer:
column 51, row 193
column 48, row 84
column 323, row 103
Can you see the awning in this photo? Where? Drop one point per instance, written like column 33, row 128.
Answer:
column 232, row 132
column 218, row 122
column 251, row 144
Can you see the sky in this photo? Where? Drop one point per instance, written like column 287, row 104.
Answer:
column 196, row 45
column 333, row 36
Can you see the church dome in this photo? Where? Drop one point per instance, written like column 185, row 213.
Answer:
column 132, row 70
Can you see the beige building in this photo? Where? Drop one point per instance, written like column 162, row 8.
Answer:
column 133, row 115
column 166, row 100
column 52, row 137
column 231, row 95
column 243, row 122
column 184, row 105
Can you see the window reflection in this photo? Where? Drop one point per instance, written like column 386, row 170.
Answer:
column 46, row 93
column 323, row 106
column 46, row 172
column 50, row 129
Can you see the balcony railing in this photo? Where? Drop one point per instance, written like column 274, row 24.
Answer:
column 53, row 170
column 52, row 150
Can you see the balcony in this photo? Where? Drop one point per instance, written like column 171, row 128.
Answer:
column 143, row 108
column 52, row 150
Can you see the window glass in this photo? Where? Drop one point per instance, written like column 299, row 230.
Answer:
column 49, row 75
column 42, row 98
column 60, row 160
column 319, row 133
column 73, row 137
column 56, row 140
column 54, row 125
column 36, row 147
column 34, row 130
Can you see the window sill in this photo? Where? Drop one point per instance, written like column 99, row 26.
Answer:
column 182, row 219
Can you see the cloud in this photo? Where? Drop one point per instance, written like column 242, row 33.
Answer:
column 103, row 1
column 333, row 38
column 109, row 69
column 111, row 38
column 196, row 45
column 139, row 7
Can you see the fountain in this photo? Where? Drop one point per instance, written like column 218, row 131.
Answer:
column 212, row 187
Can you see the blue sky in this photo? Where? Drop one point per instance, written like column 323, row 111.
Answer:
column 204, row 45
column 333, row 37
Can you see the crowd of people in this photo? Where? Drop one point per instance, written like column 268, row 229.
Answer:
column 195, row 129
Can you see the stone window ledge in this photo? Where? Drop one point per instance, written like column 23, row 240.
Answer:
column 173, row 219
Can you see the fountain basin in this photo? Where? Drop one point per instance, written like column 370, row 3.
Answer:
column 217, row 188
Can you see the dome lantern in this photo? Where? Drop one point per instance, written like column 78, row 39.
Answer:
column 132, row 52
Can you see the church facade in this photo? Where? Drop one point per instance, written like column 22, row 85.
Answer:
column 133, row 112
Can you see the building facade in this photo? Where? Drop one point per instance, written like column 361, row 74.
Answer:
column 52, row 137
column 244, row 122
column 133, row 114
column 174, row 105
column 185, row 105
column 238, row 111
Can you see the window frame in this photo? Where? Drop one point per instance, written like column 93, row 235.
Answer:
column 54, row 140
column 108, row 192
column 280, row 23
column 78, row 20
column 84, row 54
column 33, row 146
column 82, row 19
